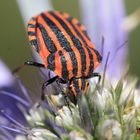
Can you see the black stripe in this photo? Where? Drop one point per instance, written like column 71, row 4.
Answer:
column 99, row 57
column 30, row 33
column 91, row 66
column 86, row 34
column 63, row 42
column 65, row 72
column 78, row 45
column 31, row 25
column 62, row 39
column 84, row 31
column 33, row 18
column 33, row 42
column 76, row 42
column 51, row 62
column 69, row 19
column 83, row 84
column 47, row 39
column 79, row 24
column 36, row 44
column 76, row 86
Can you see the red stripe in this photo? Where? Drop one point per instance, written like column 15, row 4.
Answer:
column 70, row 66
column 85, row 50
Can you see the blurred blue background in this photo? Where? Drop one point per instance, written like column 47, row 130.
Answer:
column 14, row 47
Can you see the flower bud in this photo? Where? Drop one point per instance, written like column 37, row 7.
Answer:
column 109, row 130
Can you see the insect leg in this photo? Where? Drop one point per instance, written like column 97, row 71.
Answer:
column 61, row 81
column 63, row 93
column 28, row 63
column 45, row 84
column 94, row 75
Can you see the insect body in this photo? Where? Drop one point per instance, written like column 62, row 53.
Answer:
column 63, row 44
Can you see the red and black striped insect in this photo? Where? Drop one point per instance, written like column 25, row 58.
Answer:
column 66, row 49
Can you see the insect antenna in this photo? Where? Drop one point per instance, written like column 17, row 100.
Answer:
column 105, row 69
column 107, row 62
column 102, row 45
column 107, row 59
column 118, row 48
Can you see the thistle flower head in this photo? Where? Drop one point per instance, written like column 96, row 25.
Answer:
column 103, row 113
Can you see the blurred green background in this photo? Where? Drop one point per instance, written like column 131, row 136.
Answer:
column 134, row 40
column 14, row 48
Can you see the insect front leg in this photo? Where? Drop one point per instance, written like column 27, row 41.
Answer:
column 28, row 63
column 45, row 84
column 59, row 80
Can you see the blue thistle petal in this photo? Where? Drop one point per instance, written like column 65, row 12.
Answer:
column 13, row 129
column 11, row 119
column 5, row 135
column 13, row 125
column 16, row 98
column 24, row 91
column 10, row 106
column 6, row 77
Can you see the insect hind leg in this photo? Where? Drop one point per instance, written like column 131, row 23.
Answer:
column 97, row 75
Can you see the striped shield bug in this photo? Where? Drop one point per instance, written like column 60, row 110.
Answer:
column 65, row 48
